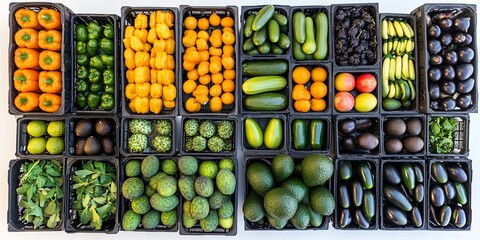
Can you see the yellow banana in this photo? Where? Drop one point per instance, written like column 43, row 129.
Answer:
column 384, row 29
column 398, row 67
column 391, row 72
column 405, row 29
column 398, row 28
column 395, row 44
column 409, row 46
column 412, row 32
column 411, row 70
column 412, row 90
column 405, row 71
column 385, row 47
column 390, row 45
column 385, row 69
column 391, row 29
column 391, row 90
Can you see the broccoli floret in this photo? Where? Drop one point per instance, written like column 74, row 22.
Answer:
column 215, row 144
column 227, row 144
column 190, row 127
column 189, row 144
column 164, row 127
column 137, row 142
column 162, row 144
column 199, row 144
column 140, row 126
column 207, row 129
column 225, row 129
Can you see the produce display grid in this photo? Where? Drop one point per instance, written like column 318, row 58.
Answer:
column 267, row 117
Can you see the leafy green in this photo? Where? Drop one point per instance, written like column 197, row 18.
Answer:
column 442, row 134
column 40, row 193
column 96, row 193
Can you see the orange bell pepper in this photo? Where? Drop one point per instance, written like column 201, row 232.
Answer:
column 49, row 18
column 129, row 56
column 129, row 30
column 50, row 40
column 142, row 34
column 49, row 102
column 142, row 59
column 142, row 89
column 131, row 91
column 152, row 20
column 26, row 18
column 142, row 74
column 130, row 74
column 156, row 90
column 27, row 38
column 50, row 81
column 25, row 80
column 50, row 60
column 27, row 101
column 165, row 77
column 142, row 104
column 156, row 105
column 26, row 58
column 141, row 21
column 169, row 92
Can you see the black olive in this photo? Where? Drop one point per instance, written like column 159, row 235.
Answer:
column 448, row 87
column 464, row 71
column 434, row 31
column 448, row 104
column 434, row 74
column 445, row 24
column 468, row 40
column 461, row 24
column 434, row 105
column 459, row 38
column 446, row 39
column 465, row 54
column 451, row 57
column 434, row 46
column 434, row 91
column 448, row 72
column 436, row 60
column 465, row 86
column 348, row 143
column 464, row 101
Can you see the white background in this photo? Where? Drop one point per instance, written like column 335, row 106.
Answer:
column 8, row 130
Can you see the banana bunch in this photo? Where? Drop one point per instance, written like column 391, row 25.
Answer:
column 398, row 69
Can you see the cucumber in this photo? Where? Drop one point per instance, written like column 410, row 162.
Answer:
column 273, row 31
column 261, row 84
column 297, row 51
column 284, row 41
column 248, row 44
column 253, row 133
column 299, row 134
column 276, row 50
column 260, row 36
column 309, row 46
column 253, row 52
column 247, row 30
column 261, row 68
column 273, row 135
column 281, row 19
column 265, row 48
column 321, row 36
column 262, row 17
column 265, row 102
column 316, row 134
column 299, row 31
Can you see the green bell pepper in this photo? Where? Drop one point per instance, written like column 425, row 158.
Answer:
column 96, row 62
column 81, row 32
column 94, row 30
column 94, row 75
column 81, row 85
column 92, row 47
column 81, row 101
column 106, row 45
column 82, row 59
column 108, row 31
column 108, row 102
column 82, row 72
column 109, row 89
column 81, row 47
column 96, row 87
column 108, row 78
column 108, row 60
column 93, row 100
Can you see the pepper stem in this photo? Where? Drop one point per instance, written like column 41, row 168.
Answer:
column 49, row 81
column 24, row 56
column 48, row 60
column 23, row 101
column 22, row 79
column 26, row 37
column 49, row 39
column 47, row 17
column 25, row 18
column 47, row 103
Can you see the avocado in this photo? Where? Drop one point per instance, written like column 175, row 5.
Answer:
column 317, row 169
column 393, row 145
column 186, row 185
column 131, row 220
column 296, row 186
column 413, row 144
column 199, row 208
column 188, row 221
column 226, row 210
column 282, row 167
column 79, row 146
column 226, row 181
column 367, row 141
column 280, row 203
column 414, row 126
column 169, row 218
column 204, row 186
column 151, row 219
column 141, row 205
column 301, row 219
column 92, row 146
column 253, row 207
column 316, row 219
column 133, row 188
column 187, row 165
column 163, row 204
column 103, row 127
column 84, row 128
column 395, row 127
column 277, row 223
column 217, row 199
column 210, row 222
column 260, row 177
column 108, row 146
column 150, row 166
column 167, row 186
column 132, row 168
column 322, row 201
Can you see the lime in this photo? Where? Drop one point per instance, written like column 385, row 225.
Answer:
column 56, row 128
column 208, row 169
column 226, row 163
column 36, row 128
column 36, row 145
column 55, row 145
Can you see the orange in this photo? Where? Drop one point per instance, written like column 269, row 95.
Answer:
column 300, row 75
column 319, row 74
column 192, row 106
column 190, row 23
column 229, row 74
column 228, row 38
column 318, row 90
column 302, row 105
column 216, row 104
column 299, row 92
column 228, row 51
column 214, row 20
column 228, row 98
column 189, row 86
column 227, row 22
column 228, row 85
column 228, row 63
column 205, row 79
column 217, row 78
column 203, row 35
column 318, row 105
column 216, row 90
column 203, row 24
column 192, row 74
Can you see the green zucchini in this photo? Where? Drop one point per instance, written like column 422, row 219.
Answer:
column 263, row 84
column 299, row 31
column 309, row 46
column 261, row 68
column 297, row 51
column 316, row 134
column 299, row 134
column 262, row 17
column 269, row 101
column 321, row 36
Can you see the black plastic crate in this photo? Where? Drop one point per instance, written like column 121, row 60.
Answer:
column 329, row 82
column 23, row 137
column 460, row 137
column 403, row 152
column 327, row 147
column 265, row 226
column 71, row 142
column 311, row 10
column 200, row 12
column 371, row 8
column 72, row 219
column 262, row 121
column 125, row 135
column 65, row 69
column 409, row 19
column 197, row 230
column 375, row 129
column 246, row 11
column 125, row 204
column 101, row 19
column 215, row 120
column 466, row 165
column 424, row 15
column 375, row 169
column 127, row 19
column 419, row 163
column 14, row 212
